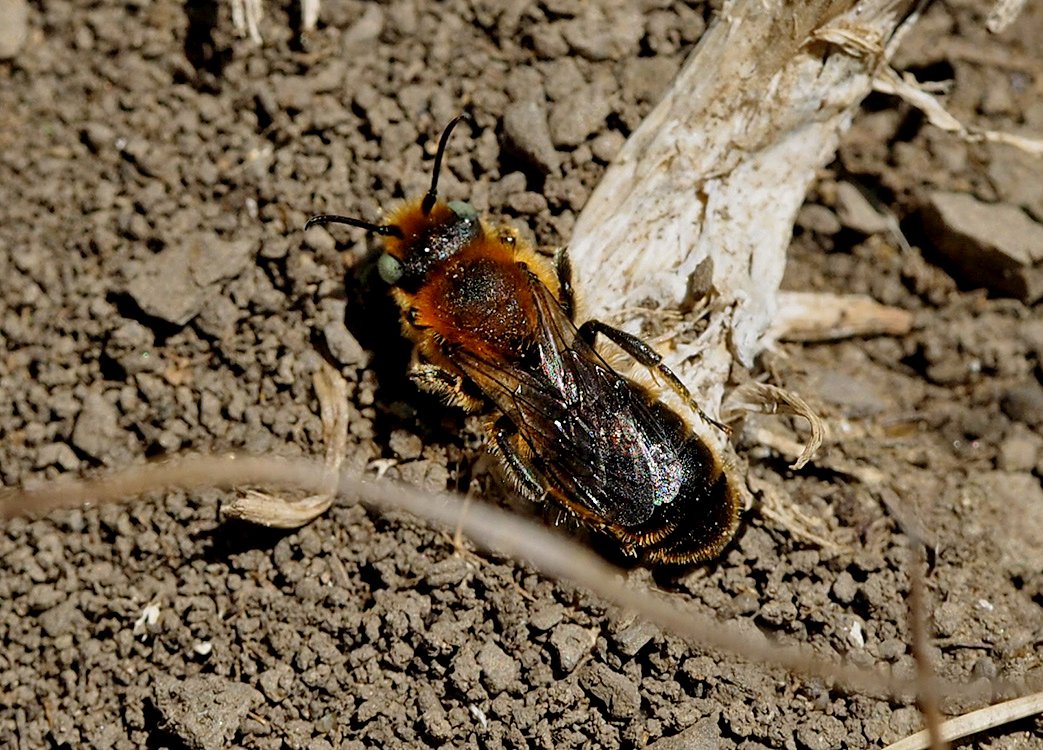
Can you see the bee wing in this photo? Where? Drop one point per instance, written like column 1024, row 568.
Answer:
column 592, row 433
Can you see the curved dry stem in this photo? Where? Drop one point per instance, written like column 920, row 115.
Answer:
column 489, row 528
column 764, row 398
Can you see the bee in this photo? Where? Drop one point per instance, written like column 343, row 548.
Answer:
column 493, row 328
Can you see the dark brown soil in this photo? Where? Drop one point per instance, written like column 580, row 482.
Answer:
column 159, row 296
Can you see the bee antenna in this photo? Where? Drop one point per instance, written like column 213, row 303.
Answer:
column 384, row 230
column 432, row 194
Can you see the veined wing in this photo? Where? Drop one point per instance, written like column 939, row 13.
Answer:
column 594, row 435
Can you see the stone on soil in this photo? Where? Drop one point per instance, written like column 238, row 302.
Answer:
column 991, row 245
column 203, row 712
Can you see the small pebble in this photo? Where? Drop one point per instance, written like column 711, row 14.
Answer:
column 616, row 692
column 844, row 588
column 1024, row 403
column 527, row 134
column 499, row 671
column 571, row 643
column 818, row 219
column 574, row 120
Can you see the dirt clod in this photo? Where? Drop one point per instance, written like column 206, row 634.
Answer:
column 203, row 712
column 570, row 644
column 97, row 432
column 499, row 671
column 1024, row 403
column 618, row 694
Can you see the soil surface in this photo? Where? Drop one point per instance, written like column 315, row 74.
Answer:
column 158, row 296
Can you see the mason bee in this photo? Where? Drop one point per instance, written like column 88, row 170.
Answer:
column 493, row 329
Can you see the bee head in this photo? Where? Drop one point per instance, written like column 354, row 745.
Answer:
column 419, row 235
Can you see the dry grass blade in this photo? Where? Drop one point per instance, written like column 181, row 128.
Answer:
column 909, row 90
column 975, row 721
column 283, row 513
column 764, row 398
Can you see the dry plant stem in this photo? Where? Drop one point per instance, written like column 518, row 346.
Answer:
column 927, row 698
column 763, row 398
column 309, row 15
column 790, row 448
column 780, row 509
column 822, row 316
column 907, row 88
column 975, row 721
column 246, row 17
column 488, row 527
column 281, row 513
column 1003, row 14
column 719, row 168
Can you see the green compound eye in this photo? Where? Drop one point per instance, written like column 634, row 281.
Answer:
column 463, row 209
column 389, row 268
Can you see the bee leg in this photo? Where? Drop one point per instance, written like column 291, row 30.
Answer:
column 648, row 357
column 518, row 467
column 566, row 294
column 451, row 387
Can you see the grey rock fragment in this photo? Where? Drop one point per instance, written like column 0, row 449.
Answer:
column 64, row 619
column 276, row 682
column 173, row 285
column 528, row 135
column 992, row 245
column 648, row 78
column 405, row 445
column 606, row 145
column 609, row 33
column 131, row 347
column 98, row 135
column 574, row 120
column 344, row 347
column 1016, row 178
column 97, row 432
column 546, row 616
column 203, row 712
column 820, row 732
column 219, row 259
column 499, row 670
column 1024, row 403
column 571, row 643
column 56, row 454
column 563, row 77
column 844, row 588
column 616, row 692
column 361, row 35
column 1019, row 451
column 634, row 637
column 705, row 734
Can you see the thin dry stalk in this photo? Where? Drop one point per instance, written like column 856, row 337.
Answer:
column 927, row 696
column 989, row 717
column 490, row 529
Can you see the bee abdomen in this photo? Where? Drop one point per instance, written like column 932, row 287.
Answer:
column 694, row 527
